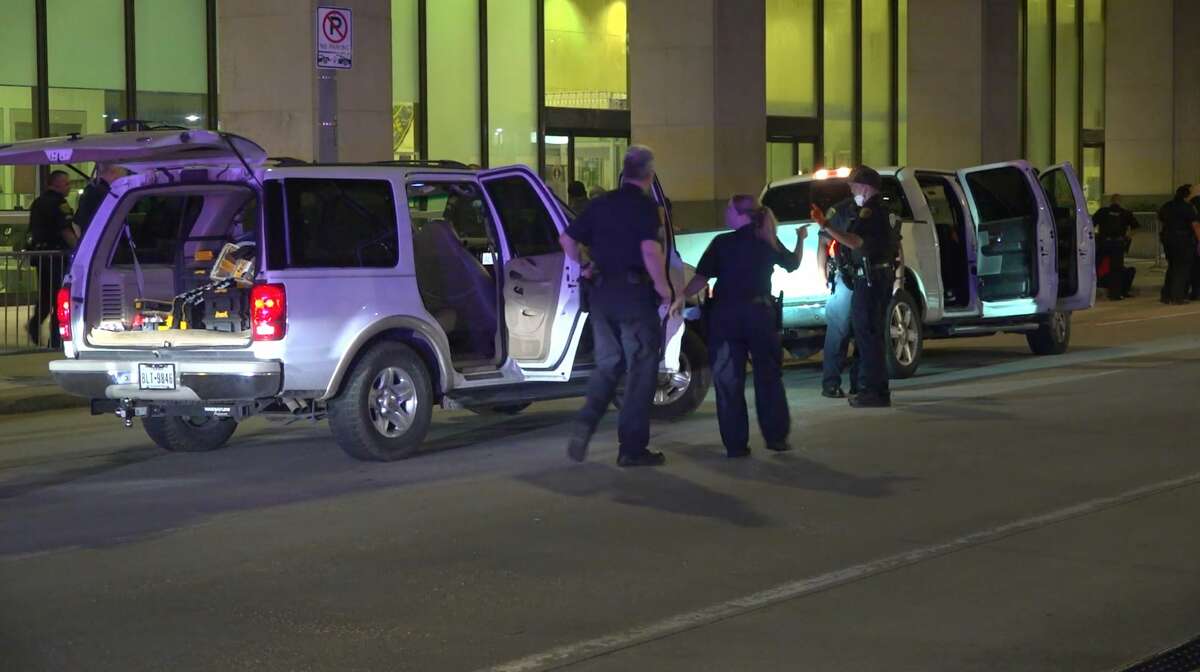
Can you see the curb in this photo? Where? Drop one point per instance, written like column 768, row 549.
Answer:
column 52, row 401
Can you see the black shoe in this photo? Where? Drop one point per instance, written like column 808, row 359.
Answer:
column 736, row 454
column 644, row 459
column 577, row 445
column 870, row 401
column 779, row 446
column 833, row 393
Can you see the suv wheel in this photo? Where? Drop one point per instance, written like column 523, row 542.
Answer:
column 904, row 338
column 386, row 405
column 682, row 392
column 198, row 434
column 1053, row 336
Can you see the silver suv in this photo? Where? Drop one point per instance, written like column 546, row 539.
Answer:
column 217, row 284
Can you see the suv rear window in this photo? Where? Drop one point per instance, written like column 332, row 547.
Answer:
column 339, row 224
column 792, row 202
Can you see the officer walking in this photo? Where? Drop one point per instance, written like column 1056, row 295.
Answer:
column 874, row 249
column 50, row 229
column 1113, row 225
column 95, row 192
column 837, row 308
column 1180, row 229
column 742, row 321
column 629, row 284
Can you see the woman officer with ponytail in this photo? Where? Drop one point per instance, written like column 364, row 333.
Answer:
column 742, row 322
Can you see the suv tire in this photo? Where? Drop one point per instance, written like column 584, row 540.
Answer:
column 1053, row 336
column 187, row 434
column 695, row 374
column 386, row 406
column 903, row 336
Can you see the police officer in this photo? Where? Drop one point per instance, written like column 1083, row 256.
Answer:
column 628, row 285
column 742, row 321
column 1180, row 228
column 837, row 308
column 1113, row 226
column 50, row 229
column 874, row 249
column 95, row 192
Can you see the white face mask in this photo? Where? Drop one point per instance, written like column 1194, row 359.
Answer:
column 860, row 200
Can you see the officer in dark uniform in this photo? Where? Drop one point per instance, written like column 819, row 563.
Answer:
column 50, row 229
column 1180, row 228
column 628, row 285
column 742, row 322
column 94, row 194
column 1113, row 225
column 874, row 249
column 837, row 307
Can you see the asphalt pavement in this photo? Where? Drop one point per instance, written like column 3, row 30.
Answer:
column 1010, row 512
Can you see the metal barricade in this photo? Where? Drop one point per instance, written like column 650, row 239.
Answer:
column 28, row 284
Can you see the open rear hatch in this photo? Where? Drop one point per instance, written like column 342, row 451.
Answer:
column 137, row 150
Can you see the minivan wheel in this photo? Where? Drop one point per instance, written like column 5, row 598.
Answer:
column 905, row 341
column 1053, row 336
column 198, row 434
column 386, row 406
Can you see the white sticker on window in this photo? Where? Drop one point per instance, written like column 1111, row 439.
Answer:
column 59, row 155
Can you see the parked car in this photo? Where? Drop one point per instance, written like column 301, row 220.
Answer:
column 218, row 284
column 991, row 249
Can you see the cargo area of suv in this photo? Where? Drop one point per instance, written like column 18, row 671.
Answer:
column 175, row 264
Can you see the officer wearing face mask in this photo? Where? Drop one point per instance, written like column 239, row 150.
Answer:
column 874, row 248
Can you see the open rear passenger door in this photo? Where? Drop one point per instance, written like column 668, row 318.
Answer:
column 540, row 284
column 1076, row 240
column 1016, row 261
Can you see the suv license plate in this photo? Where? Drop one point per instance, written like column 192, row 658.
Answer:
column 156, row 376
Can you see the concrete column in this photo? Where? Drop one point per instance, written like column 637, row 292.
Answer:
column 1001, row 90
column 945, row 83
column 268, row 82
column 697, row 73
column 1139, row 136
column 1187, row 92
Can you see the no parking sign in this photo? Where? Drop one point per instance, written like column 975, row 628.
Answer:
column 335, row 38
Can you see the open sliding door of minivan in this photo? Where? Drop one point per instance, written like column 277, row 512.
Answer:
column 1076, row 241
column 540, row 284
column 1016, row 265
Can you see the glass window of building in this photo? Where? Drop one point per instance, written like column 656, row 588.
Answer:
column 902, row 84
column 791, row 58
column 406, row 67
column 18, row 76
column 877, row 82
column 86, row 64
column 1039, row 73
column 512, row 82
column 838, row 124
column 587, row 54
column 172, row 63
column 453, row 119
column 1066, row 82
column 1093, row 64
column 598, row 162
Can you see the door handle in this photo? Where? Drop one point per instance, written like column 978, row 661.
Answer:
column 515, row 275
column 519, row 290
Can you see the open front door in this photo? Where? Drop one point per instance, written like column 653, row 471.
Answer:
column 540, row 284
column 1016, row 264
column 1076, row 241
column 673, row 333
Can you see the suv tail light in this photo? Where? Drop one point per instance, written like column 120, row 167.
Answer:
column 62, row 311
column 268, row 312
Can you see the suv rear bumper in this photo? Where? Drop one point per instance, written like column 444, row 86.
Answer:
column 194, row 380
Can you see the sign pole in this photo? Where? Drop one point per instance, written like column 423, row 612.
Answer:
column 334, row 51
column 327, row 96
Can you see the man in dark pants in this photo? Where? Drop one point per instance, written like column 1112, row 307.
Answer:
column 629, row 283
column 50, row 229
column 874, row 249
column 1180, row 229
column 1113, row 225
column 837, row 309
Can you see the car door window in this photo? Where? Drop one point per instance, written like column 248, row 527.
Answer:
column 1062, row 203
column 528, row 226
column 1007, row 213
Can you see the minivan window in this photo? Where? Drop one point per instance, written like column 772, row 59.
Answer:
column 340, row 223
column 527, row 224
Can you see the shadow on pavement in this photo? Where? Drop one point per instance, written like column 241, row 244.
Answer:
column 647, row 488
column 790, row 470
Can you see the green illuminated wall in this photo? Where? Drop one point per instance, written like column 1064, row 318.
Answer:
column 791, row 61
column 586, row 54
column 512, row 82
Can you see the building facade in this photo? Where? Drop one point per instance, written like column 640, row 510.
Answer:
column 731, row 93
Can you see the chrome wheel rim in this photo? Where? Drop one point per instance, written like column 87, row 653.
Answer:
column 1058, row 327
column 903, row 331
column 392, row 402
column 672, row 386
